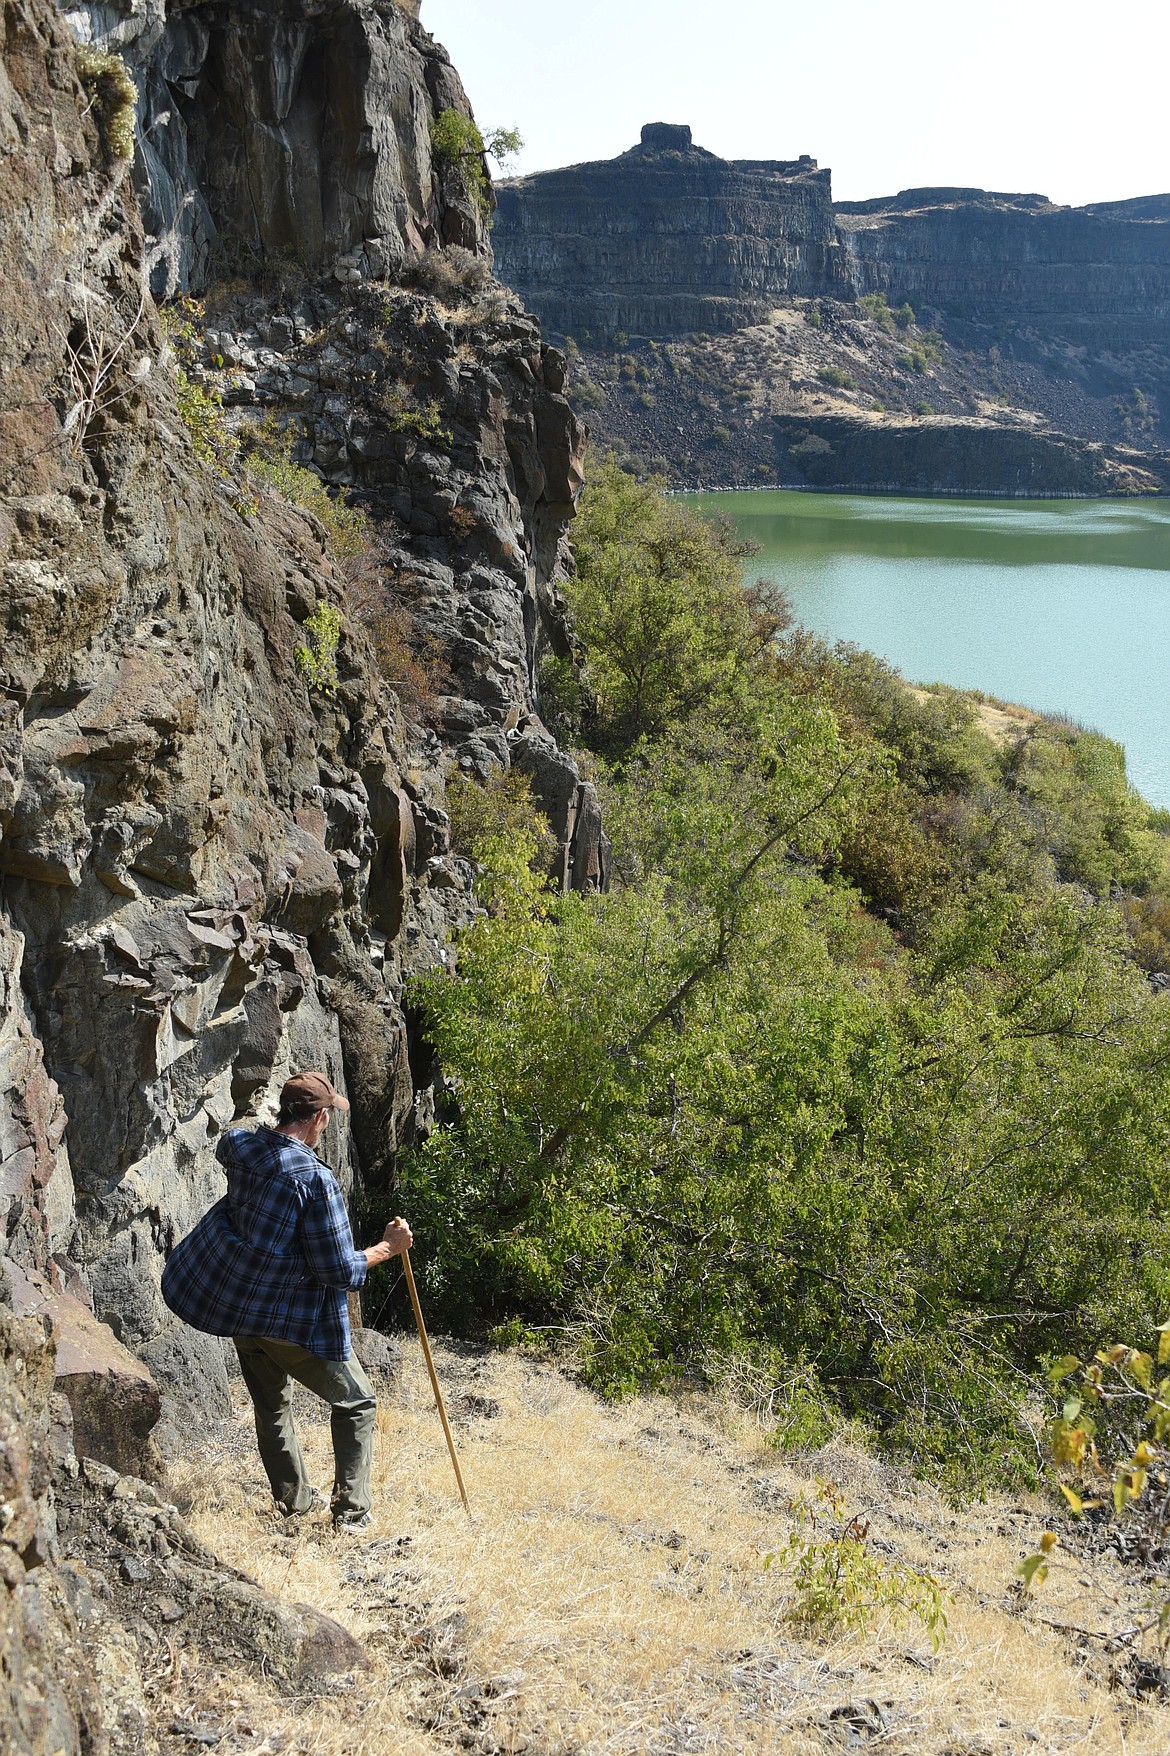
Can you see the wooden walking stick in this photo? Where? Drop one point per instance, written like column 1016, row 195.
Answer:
column 426, row 1348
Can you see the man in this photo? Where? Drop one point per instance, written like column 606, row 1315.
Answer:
column 271, row 1265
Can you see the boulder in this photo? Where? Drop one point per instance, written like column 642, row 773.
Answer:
column 113, row 1397
column 294, row 1641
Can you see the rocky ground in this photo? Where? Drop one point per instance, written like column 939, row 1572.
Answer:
column 725, row 410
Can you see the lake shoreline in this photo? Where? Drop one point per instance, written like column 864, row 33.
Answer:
column 1059, row 604
column 896, row 491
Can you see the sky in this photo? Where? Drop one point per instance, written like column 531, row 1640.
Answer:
column 1065, row 100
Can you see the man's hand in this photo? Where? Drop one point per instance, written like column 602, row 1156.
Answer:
column 398, row 1236
column 396, row 1239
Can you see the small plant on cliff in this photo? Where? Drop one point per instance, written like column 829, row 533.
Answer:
column 316, row 659
column 838, row 377
column 270, row 463
column 453, row 274
column 200, row 401
column 406, row 414
column 457, row 141
column 107, row 76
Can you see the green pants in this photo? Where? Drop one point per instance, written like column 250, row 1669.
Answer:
column 269, row 1366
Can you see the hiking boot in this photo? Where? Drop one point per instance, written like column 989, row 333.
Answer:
column 318, row 1503
column 348, row 1521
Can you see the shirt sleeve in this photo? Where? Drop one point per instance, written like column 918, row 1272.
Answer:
column 327, row 1240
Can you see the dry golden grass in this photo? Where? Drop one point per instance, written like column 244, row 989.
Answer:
column 1002, row 721
column 609, row 1594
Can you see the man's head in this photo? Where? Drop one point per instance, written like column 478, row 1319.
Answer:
column 307, row 1100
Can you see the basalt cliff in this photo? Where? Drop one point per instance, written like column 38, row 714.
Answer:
column 224, row 847
column 725, row 309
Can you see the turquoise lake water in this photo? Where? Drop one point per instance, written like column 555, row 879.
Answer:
column 1061, row 605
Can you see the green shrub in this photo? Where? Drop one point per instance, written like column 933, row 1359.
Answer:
column 405, row 414
column 840, row 1584
column 316, row 659
column 502, row 809
column 1096, row 827
column 562, row 697
column 201, row 411
column 874, row 305
column 588, row 395
column 268, row 460
column 732, row 1114
column 837, row 375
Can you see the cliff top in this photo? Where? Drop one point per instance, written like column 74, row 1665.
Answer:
column 671, row 145
column 911, row 200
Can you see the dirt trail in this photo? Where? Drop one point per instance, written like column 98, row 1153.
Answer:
column 612, row 1594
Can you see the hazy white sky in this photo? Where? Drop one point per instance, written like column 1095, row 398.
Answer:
column 1069, row 100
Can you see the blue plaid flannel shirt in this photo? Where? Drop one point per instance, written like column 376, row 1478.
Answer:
column 276, row 1255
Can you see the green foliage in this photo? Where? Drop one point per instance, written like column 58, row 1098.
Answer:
column 405, row 414
column 1098, row 828
column 457, row 141
column 1109, row 1444
column 108, row 77
column 563, row 698
column 838, row 376
column 316, row 661
column 874, row 305
column 502, row 810
column 839, row 1582
column 852, row 1067
column 659, row 605
column 1148, row 920
column 586, row 394
column 201, row 411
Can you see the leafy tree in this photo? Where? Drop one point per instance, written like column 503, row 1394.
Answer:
column 456, row 140
column 669, row 630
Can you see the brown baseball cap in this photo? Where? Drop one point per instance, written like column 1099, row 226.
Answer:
column 311, row 1091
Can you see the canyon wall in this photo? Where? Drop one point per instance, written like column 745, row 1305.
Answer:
column 1096, row 277
column 299, row 132
column 668, row 239
column 665, row 239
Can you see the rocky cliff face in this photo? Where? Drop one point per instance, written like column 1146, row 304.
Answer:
column 299, row 132
column 1096, row 277
column 213, row 871
column 214, row 867
column 666, row 239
